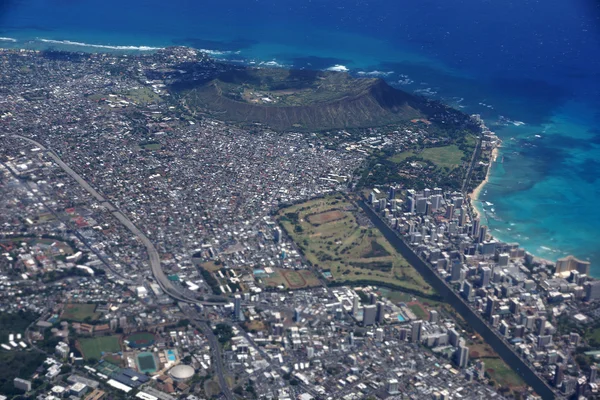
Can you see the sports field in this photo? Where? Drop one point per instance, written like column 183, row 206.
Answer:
column 146, row 362
column 94, row 347
column 80, row 312
column 333, row 238
column 139, row 340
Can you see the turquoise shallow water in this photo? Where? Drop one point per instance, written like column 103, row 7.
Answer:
column 543, row 189
column 529, row 61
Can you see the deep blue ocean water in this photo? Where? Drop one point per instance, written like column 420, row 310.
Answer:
column 512, row 61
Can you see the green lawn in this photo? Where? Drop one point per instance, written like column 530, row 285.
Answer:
column 80, row 312
column 445, row 156
column 93, row 347
column 502, row 373
column 337, row 242
column 418, row 311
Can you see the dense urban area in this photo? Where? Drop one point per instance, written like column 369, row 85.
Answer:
column 151, row 248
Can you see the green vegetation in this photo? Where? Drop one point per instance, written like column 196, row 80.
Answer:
column 440, row 166
column 80, row 312
column 17, row 364
column 223, row 332
column 502, row 374
column 94, row 347
column 351, row 252
column 291, row 279
column 309, row 100
column 211, row 281
column 418, row 310
column 143, row 95
column 15, row 323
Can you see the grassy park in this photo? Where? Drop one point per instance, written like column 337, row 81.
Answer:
column 443, row 157
column 80, row 312
column 331, row 237
column 94, row 347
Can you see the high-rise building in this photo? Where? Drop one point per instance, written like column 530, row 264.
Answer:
column 417, row 327
column 475, row 230
column 571, row 263
column 593, row 373
column 369, row 314
column 434, row 316
column 382, row 204
column 372, row 198
column 380, row 312
column 592, row 290
column 421, row 205
column 541, row 326
column 403, row 334
column 237, row 308
column 62, row 350
column 485, row 276
column 449, row 212
column 392, row 386
column 453, row 337
column 392, row 193
column 355, row 306
column 379, row 335
column 455, row 274
column 504, row 329
column 373, row 298
column 467, row 290
column 297, row 315
column 480, row 369
column 559, row 374
column 310, row 352
column 22, row 384
column 277, row 234
column 482, row 234
column 490, row 306
column 463, row 216
column 461, row 356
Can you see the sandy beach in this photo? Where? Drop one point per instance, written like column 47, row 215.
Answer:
column 474, row 195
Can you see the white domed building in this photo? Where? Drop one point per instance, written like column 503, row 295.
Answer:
column 181, row 372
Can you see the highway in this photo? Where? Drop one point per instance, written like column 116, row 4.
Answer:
column 215, row 348
column 153, row 256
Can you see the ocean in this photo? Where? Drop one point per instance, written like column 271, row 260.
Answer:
column 531, row 68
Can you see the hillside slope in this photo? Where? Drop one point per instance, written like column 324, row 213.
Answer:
column 310, row 100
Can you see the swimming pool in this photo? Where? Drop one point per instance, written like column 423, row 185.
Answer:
column 401, row 318
column 171, row 355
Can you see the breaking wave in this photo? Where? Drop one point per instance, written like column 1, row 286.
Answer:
column 100, row 46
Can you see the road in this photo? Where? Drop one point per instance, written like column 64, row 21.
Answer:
column 474, row 157
column 491, row 336
column 153, row 256
column 215, row 348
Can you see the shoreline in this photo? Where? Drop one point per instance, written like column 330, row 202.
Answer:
column 474, row 195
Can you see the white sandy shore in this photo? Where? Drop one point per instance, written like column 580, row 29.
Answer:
column 474, row 195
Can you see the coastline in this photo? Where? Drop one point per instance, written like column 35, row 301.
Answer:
column 474, row 195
